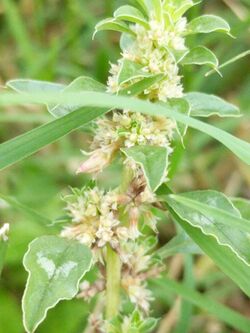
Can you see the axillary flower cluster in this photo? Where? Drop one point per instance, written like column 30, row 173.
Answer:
column 152, row 45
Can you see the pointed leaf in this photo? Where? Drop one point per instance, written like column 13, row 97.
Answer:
column 205, row 105
column 138, row 88
column 131, row 14
column 200, row 55
column 55, row 268
column 229, row 62
column 243, row 205
column 215, row 215
column 157, row 6
column 82, row 83
column 153, row 161
column 207, row 24
column 113, row 24
column 181, row 106
column 130, row 71
column 35, row 86
column 223, row 256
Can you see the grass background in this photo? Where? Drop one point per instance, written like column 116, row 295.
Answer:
column 52, row 40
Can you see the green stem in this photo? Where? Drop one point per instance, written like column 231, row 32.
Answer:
column 113, row 267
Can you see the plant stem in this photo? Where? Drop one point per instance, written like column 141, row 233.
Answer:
column 113, row 267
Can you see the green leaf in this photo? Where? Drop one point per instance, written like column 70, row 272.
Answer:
column 223, row 255
column 82, row 83
column 35, row 86
column 55, row 268
column 181, row 106
column 207, row 24
column 127, row 42
column 200, row 55
column 143, row 6
column 229, row 62
column 220, row 311
column 157, row 6
column 181, row 243
column 176, row 8
column 243, row 205
column 14, row 203
column 113, row 24
column 205, row 105
column 137, row 88
column 130, row 71
column 26, row 144
column 182, row 8
column 131, row 14
column 152, row 160
column 215, row 215
column 4, row 230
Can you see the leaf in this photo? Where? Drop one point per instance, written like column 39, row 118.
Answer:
column 181, row 106
column 139, row 87
column 26, row 144
column 176, row 8
column 131, row 14
column 157, row 6
column 207, row 24
column 127, row 42
column 82, row 83
column 143, row 6
column 13, row 202
column 223, row 255
column 229, row 62
column 200, row 55
column 220, row 311
column 153, row 160
column 215, row 215
column 130, row 71
column 4, row 230
column 113, row 24
column 205, row 105
column 182, row 9
column 34, row 86
column 181, row 243
column 243, row 205
column 55, row 268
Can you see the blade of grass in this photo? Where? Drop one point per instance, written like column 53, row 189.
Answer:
column 18, row 31
column 28, row 143
column 225, row 314
column 13, row 202
column 186, row 309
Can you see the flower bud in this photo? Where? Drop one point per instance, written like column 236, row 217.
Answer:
column 98, row 160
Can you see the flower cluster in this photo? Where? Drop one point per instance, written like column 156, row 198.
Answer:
column 137, row 268
column 94, row 218
column 155, row 48
column 125, row 130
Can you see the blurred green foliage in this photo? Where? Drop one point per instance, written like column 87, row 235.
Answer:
column 52, row 40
